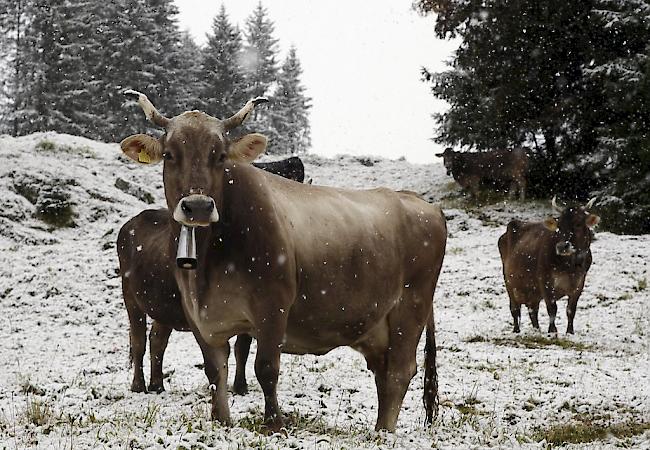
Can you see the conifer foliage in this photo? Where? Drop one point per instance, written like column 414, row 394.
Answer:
column 65, row 63
column 567, row 80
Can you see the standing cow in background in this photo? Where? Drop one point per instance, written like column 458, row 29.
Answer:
column 471, row 170
column 304, row 269
column 547, row 260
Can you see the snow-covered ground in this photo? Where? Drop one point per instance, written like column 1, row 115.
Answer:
column 65, row 376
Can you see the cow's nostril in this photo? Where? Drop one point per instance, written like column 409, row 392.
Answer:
column 186, row 208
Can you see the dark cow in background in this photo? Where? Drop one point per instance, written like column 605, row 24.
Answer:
column 291, row 168
column 547, row 260
column 495, row 167
column 149, row 289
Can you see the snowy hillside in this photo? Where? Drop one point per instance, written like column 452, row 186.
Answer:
column 64, row 370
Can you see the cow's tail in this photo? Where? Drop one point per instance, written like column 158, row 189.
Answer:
column 430, row 395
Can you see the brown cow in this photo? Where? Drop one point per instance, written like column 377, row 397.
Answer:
column 547, row 260
column 149, row 289
column 302, row 268
column 472, row 170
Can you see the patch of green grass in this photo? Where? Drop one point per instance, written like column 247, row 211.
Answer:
column 585, row 432
column 151, row 414
column 542, row 341
column 296, row 421
column 476, row 338
column 54, row 206
column 49, row 146
column 533, row 341
column 46, row 146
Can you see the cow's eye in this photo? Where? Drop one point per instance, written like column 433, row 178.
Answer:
column 222, row 157
column 167, row 156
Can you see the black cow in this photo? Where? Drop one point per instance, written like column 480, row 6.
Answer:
column 291, row 168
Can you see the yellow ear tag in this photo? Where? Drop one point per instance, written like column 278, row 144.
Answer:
column 144, row 157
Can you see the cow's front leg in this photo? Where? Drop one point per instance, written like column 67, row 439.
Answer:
column 158, row 339
column 216, row 369
column 267, row 370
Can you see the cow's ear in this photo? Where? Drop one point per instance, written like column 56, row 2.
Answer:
column 592, row 220
column 142, row 148
column 550, row 223
column 440, row 155
column 247, row 148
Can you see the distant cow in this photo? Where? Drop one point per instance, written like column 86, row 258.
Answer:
column 291, row 168
column 471, row 170
column 547, row 260
column 303, row 268
column 149, row 289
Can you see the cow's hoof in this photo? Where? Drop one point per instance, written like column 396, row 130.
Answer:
column 516, row 330
column 223, row 421
column 157, row 388
column 138, row 387
column 273, row 426
column 240, row 388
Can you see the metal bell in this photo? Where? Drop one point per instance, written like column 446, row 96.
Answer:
column 186, row 255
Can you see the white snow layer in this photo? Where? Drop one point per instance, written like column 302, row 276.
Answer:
column 64, row 364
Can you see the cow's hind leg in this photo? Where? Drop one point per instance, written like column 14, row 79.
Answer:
column 551, row 308
column 137, row 341
column 393, row 358
column 242, row 348
column 158, row 339
column 533, row 313
column 571, row 307
column 515, row 309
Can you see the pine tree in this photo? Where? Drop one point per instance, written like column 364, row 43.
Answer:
column 260, row 53
column 622, row 70
column 223, row 84
column 13, row 29
column 260, row 65
column 290, row 112
column 570, row 80
column 517, row 79
column 191, row 73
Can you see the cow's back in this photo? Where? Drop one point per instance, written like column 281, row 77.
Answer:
column 354, row 252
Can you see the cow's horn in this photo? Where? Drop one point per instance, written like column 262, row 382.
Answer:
column 238, row 118
column 554, row 204
column 150, row 111
column 590, row 203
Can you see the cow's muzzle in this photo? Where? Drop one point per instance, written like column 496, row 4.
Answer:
column 196, row 210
